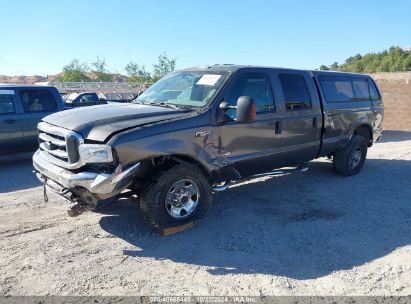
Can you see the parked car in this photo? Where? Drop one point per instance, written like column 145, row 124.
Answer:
column 84, row 99
column 21, row 109
column 119, row 97
column 202, row 129
column 64, row 95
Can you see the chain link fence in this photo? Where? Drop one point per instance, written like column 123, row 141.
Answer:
column 98, row 87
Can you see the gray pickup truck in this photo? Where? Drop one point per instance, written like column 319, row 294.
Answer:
column 21, row 109
column 202, row 129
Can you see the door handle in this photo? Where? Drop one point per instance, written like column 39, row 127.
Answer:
column 9, row 121
column 278, row 127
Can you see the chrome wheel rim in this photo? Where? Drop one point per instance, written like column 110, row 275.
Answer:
column 355, row 157
column 182, row 199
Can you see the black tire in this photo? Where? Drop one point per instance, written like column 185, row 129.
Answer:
column 153, row 196
column 350, row 160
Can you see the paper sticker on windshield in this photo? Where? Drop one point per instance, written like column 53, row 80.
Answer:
column 6, row 92
column 208, row 79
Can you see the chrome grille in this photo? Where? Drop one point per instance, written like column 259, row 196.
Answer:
column 59, row 146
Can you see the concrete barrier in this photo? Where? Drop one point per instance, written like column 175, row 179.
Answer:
column 396, row 94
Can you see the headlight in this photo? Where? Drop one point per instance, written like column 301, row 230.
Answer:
column 91, row 153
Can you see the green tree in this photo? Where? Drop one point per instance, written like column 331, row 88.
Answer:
column 371, row 66
column 164, row 66
column 100, row 71
column 74, row 72
column 384, row 66
column 334, row 66
column 358, row 57
column 407, row 64
column 137, row 73
column 394, row 59
column 324, row 68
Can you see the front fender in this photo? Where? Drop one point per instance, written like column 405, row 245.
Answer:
column 131, row 149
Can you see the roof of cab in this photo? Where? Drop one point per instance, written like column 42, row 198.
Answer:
column 336, row 73
column 234, row 67
column 215, row 67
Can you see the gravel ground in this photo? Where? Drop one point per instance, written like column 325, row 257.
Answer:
column 314, row 233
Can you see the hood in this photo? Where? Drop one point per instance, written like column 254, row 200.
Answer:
column 99, row 122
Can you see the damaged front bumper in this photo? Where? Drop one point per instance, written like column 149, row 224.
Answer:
column 89, row 187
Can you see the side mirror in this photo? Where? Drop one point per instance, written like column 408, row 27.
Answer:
column 246, row 110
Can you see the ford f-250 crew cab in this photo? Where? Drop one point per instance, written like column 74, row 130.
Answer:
column 202, row 129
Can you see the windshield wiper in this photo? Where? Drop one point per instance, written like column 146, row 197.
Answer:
column 164, row 105
column 169, row 105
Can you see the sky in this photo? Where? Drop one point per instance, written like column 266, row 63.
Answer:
column 38, row 37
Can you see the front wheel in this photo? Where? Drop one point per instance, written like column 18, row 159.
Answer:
column 178, row 196
column 350, row 160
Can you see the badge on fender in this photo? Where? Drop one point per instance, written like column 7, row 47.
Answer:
column 202, row 133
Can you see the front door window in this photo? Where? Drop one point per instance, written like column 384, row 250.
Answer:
column 255, row 85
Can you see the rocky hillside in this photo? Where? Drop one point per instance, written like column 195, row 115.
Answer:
column 49, row 78
column 25, row 79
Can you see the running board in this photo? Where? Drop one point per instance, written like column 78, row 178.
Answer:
column 300, row 168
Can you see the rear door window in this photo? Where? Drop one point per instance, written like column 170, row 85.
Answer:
column 38, row 101
column 7, row 102
column 296, row 94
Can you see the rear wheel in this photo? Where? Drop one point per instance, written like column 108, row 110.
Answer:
column 176, row 197
column 350, row 160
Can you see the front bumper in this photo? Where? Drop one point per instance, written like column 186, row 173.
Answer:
column 101, row 185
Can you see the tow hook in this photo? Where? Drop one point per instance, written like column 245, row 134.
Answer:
column 79, row 208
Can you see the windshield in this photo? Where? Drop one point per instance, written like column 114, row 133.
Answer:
column 71, row 96
column 186, row 89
